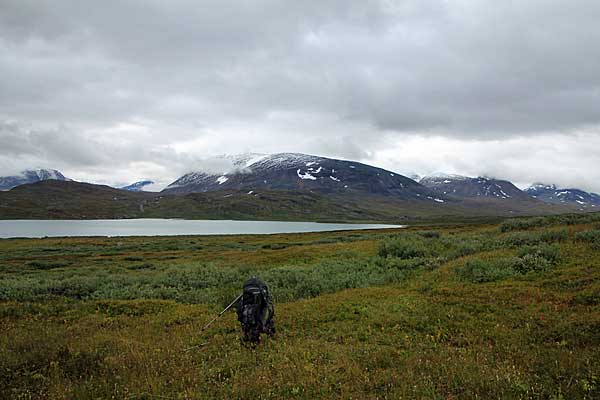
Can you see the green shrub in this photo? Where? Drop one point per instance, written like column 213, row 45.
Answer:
column 574, row 219
column 591, row 236
column 274, row 246
column 518, row 239
column 430, row 244
column 456, row 246
column 554, row 236
column 140, row 266
column 590, row 298
column 517, row 224
column 529, row 263
column 210, row 283
column 429, row 234
column 133, row 258
column 480, row 271
column 530, row 259
column 46, row 265
column 404, row 247
column 400, row 264
column 548, row 252
column 523, row 224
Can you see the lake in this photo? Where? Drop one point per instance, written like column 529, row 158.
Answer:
column 164, row 227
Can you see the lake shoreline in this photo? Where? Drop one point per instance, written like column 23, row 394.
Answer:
column 151, row 227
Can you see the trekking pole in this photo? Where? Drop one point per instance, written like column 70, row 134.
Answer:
column 214, row 319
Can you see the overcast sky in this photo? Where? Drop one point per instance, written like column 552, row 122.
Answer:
column 112, row 92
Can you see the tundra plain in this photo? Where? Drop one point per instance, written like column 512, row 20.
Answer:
column 478, row 310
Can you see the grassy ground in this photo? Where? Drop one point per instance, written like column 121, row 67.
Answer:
column 479, row 311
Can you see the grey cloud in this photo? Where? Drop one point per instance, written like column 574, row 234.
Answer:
column 351, row 77
column 454, row 67
column 13, row 141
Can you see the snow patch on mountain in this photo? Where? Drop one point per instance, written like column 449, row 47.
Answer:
column 305, row 175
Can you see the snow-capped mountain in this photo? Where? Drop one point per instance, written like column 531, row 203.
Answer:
column 139, row 186
column 553, row 194
column 293, row 171
column 30, row 176
column 469, row 187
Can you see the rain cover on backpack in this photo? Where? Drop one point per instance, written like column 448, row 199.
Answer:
column 252, row 307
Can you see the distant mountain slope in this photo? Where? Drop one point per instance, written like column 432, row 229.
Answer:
column 54, row 199
column 138, row 186
column 30, row 176
column 67, row 199
column 468, row 187
column 554, row 195
column 293, row 171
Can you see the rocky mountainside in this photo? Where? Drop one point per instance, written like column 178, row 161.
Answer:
column 293, row 171
column 30, row 176
column 554, row 195
column 469, row 187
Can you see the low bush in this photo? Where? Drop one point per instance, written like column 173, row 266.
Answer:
column 574, row 219
column 430, row 234
column 480, row 271
column 518, row 224
column 529, row 263
column 529, row 259
column 457, row 246
column 554, row 236
column 518, row 239
column 523, row 224
column 140, row 266
column 430, row 244
column 213, row 284
column 404, row 247
column 548, row 252
column 46, row 265
column 133, row 258
column 400, row 264
column 591, row 236
column 274, row 246
column 589, row 298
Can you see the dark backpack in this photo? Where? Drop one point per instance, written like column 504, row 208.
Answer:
column 253, row 308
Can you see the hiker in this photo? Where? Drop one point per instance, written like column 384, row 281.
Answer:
column 255, row 311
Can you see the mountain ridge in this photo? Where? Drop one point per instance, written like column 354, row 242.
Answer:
column 553, row 194
column 296, row 171
column 474, row 187
column 30, row 176
column 244, row 180
column 54, row 199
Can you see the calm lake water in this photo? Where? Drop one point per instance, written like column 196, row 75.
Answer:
column 159, row 227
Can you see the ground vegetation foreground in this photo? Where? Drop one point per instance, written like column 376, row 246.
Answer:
column 508, row 310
